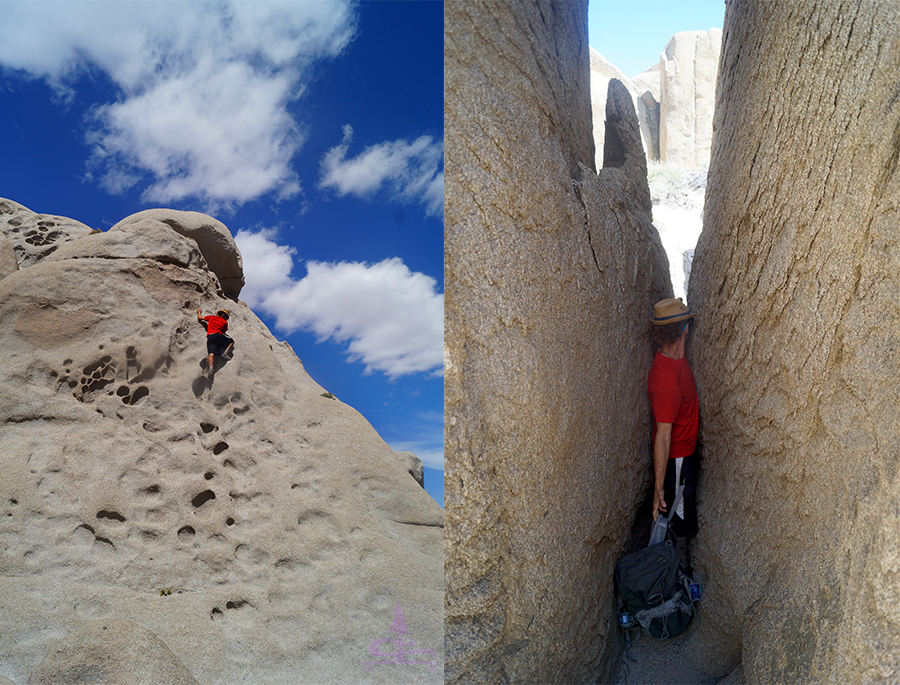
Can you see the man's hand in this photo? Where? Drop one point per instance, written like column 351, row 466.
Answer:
column 659, row 502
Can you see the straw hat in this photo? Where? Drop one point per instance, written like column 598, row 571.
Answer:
column 669, row 311
column 223, row 311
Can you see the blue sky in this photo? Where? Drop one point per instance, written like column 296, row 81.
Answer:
column 631, row 34
column 313, row 130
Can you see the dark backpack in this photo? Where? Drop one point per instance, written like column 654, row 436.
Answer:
column 654, row 590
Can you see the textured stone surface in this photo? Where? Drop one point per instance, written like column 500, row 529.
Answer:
column 551, row 272
column 34, row 236
column 212, row 237
column 8, row 261
column 796, row 349
column 688, row 68
column 285, row 528
column 413, row 465
column 111, row 652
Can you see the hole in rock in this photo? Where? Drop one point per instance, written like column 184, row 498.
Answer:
column 229, row 522
column 186, row 533
column 240, row 410
column 139, row 394
column 86, row 527
column 123, row 392
column 216, row 614
column 209, row 475
column 228, row 463
column 113, row 515
column 151, row 489
column 104, row 541
column 208, row 427
column 220, row 447
column 131, row 353
column 203, row 498
column 235, row 604
column 13, row 501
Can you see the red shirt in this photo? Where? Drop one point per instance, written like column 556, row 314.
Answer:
column 673, row 399
column 215, row 324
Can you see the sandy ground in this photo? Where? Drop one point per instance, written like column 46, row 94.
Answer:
column 661, row 662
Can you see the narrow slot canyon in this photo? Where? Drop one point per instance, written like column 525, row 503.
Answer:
column 552, row 269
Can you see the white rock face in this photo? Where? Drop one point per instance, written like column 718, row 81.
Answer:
column 286, row 529
column 674, row 99
column 688, row 69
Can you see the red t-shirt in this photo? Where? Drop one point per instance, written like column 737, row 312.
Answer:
column 673, row 399
column 215, row 324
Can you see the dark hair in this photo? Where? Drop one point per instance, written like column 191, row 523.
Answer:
column 668, row 334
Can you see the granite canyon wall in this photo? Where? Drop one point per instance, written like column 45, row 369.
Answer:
column 551, row 273
column 797, row 281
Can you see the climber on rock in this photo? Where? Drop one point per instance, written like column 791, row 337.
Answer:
column 673, row 400
column 217, row 343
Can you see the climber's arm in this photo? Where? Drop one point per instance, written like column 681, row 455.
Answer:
column 662, row 445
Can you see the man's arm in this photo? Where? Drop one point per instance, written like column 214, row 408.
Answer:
column 661, row 447
column 200, row 317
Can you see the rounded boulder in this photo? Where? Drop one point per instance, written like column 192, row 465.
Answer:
column 212, row 237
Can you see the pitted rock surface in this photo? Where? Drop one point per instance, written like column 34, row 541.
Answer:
column 34, row 236
column 552, row 272
column 263, row 532
column 212, row 237
column 796, row 277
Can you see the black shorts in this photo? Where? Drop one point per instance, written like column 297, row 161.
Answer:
column 687, row 527
column 217, row 343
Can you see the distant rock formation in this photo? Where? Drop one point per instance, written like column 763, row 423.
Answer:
column 796, row 277
column 687, row 97
column 551, row 274
column 253, row 525
column 674, row 99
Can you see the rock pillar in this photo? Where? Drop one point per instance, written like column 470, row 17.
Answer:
column 796, row 277
column 551, row 274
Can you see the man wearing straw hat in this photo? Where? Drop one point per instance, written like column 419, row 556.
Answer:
column 217, row 343
column 673, row 400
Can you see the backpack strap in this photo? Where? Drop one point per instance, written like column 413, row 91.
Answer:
column 675, row 603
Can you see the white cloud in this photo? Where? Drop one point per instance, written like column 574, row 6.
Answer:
column 412, row 171
column 391, row 318
column 204, row 87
